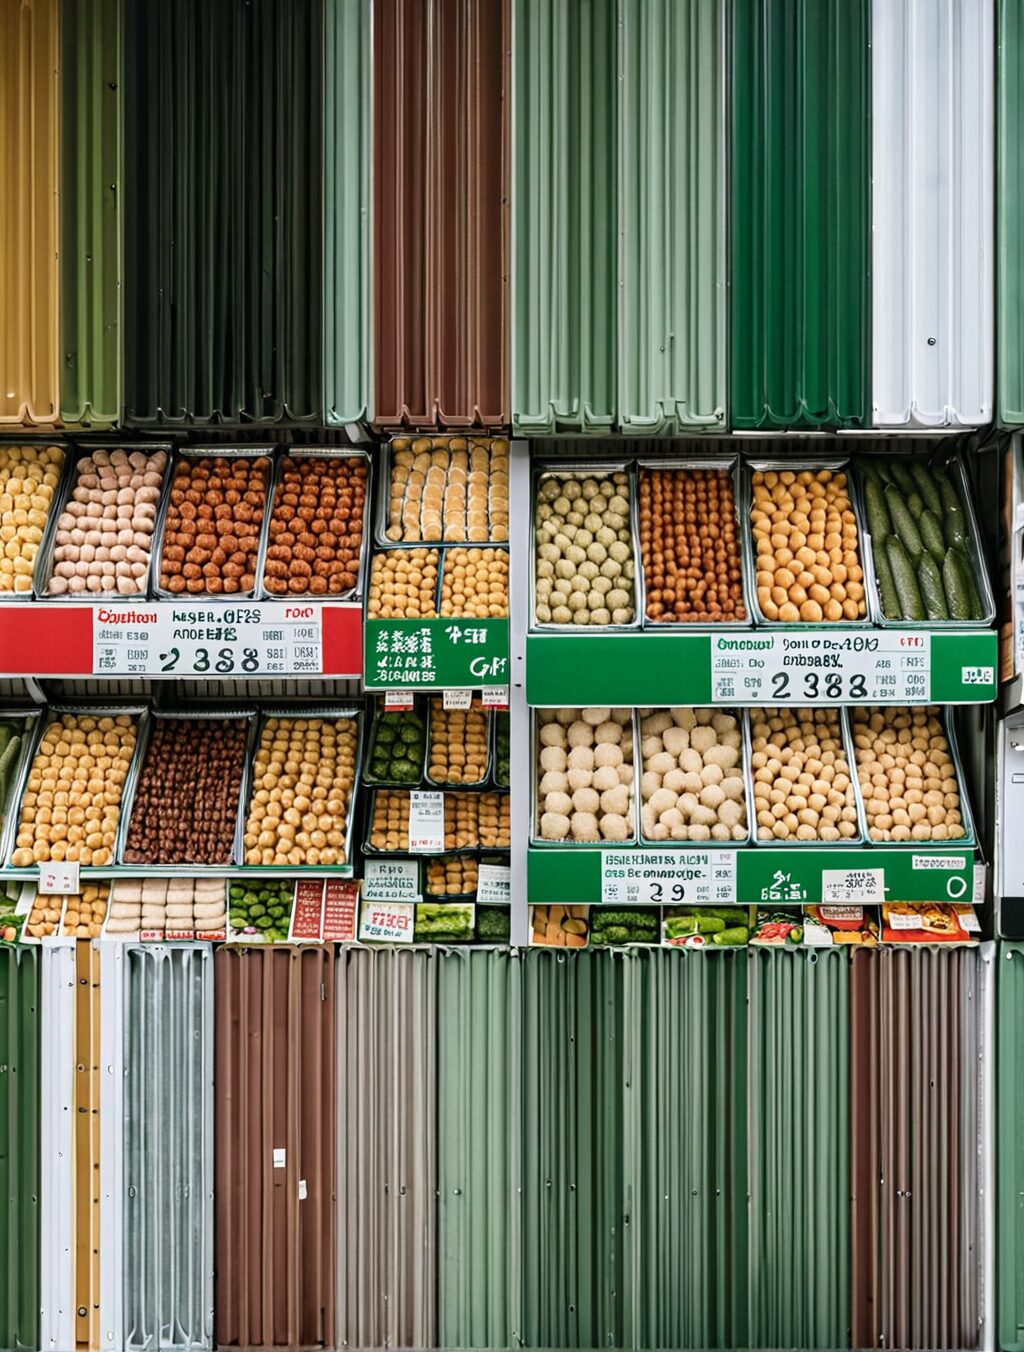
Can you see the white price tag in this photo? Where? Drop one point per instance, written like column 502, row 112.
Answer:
column 387, row 922
column 398, row 699
column 969, row 922
column 196, row 639
column 426, row 822
column 937, row 861
column 900, row 920
column 391, row 880
column 980, row 879
column 456, row 699
column 57, row 880
column 668, row 878
column 811, row 667
column 844, row 885
column 280, row 1157
column 494, row 883
column 495, row 697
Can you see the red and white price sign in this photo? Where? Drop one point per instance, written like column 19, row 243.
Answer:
column 247, row 639
column 382, row 922
column 340, row 898
column 398, row 699
column 59, row 880
column 308, row 910
column 495, row 697
column 426, row 822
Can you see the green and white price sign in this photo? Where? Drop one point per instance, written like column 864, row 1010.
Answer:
column 438, row 654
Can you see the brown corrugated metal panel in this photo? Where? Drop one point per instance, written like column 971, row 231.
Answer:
column 441, row 219
column 916, row 1226
column 87, row 1145
column 275, row 1131
column 387, row 1168
column 29, row 166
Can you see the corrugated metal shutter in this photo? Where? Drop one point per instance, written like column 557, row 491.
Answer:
column 168, row 1147
column 619, row 251
column 223, row 218
column 90, row 226
column 347, row 340
column 916, row 1031
column 87, row 1145
column 441, row 188
column 1010, row 214
column 29, row 97
column 932, row 212
column 276, row 1131
column 388, row 1253
column 19, row 1146
column 799, row 1148
column 56, row 1143
column 799, row 213
column 1010, row 1163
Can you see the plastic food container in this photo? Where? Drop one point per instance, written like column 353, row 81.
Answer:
column 537, row 797
column 742, row 772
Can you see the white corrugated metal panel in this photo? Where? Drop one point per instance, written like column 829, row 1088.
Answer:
column 933, row 151
column 56, row 1133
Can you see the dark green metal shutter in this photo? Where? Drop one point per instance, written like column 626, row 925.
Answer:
column 1010, row 1157
column 19, row 1147
column 1010, row 213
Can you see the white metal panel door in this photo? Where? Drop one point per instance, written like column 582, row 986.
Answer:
column 933, row 150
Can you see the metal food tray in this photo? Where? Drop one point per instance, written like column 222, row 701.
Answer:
column 405, row 852
column 488, row 736
column 207, row 453
column 535, row 778
column 31, row 716
column 384, row 497
column 846, row 843
column 327, row 711
column 730, row 464
column 44, row 564
column 449, row 549
column 59, row 492
column 955, row 467
column 197, row 714
column 276, row 474
column 835, row 463
column 745, row 771
column 86, row 709
column 377, row 553
column 371, row 740
column 585, row 470
column 455, row 897
column 496, row 716
column 969, row 839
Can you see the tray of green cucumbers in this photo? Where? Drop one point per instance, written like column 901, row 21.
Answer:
column 928, row 566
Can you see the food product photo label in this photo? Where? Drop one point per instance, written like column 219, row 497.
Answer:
column 59, row 879
column 391, row 880
column 668, row 878
column 843, row 886
column 494, row 883
column 426, row 822
column 387, row 922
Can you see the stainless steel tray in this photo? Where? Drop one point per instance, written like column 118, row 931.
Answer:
column 496, row 717
column 62, row 445
column 744, row 722
column 536, row 774
column 371, row 740
column 377, row 553
column 849, row 842
column 488, row 736
column 31, row 716
column 384, row 494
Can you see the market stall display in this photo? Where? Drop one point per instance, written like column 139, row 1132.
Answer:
column 633, row 925
column 584, row 567
column 166, row 907
column 453, row 875
column 443, row 923
column 260, row 910
column 472, row 821
column 696, row 926
column 803, row 790
column 317, row 536
column 693, row 781
column 908, row 775
column 559, row 926
column 29, row 476
column 451, row 489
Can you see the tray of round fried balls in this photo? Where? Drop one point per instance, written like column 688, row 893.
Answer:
column 688, row 545
column 692, row 785
column 72, row 800
column 212, row 530
column 316, row 526
column 803, row 789
column 84, row 914
column 474, row 584
column 185, row 809
column 452, row 876
column 29, row 476
column 458, row 743
column 403, row 585
column 907, row 775
column 448, row 488
column 585, row 763
column 807, row 556
column 303, row 777
column 584, row 567
column 104, row 535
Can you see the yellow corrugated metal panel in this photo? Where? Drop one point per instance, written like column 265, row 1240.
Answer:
column 29, row 162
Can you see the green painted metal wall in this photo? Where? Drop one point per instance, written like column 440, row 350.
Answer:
column 1010, row 213
column 799, row 213
column 19, row 1147
column 223, row 212
column 90, row 206
column 1010, row 1156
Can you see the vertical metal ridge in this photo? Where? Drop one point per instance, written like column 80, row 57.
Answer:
column 20, row 1036
column 87, row 1081
column 1010, row 1157
column 57, row 1219
column 276, row 1129
column 933, row 150
column 388, row 1264
column 1009, row 219
column 29, row 227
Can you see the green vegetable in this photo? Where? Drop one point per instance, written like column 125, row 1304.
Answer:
column 961, row 588
column 926, row 487
column 8, row 760
column 501, row 748
column 954, row 518
column 677, row 926
column 397, row 747
column 879, row 521
column 931, row 535
column 930, row 580
column 738, row 935
column 906, row 526
column 902, row 478
column 911, row 605
column 887, row 594
column 262, row 910
column 493, row 924
column 915, row 505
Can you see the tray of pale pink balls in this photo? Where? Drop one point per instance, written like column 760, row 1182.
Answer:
column 585, row 779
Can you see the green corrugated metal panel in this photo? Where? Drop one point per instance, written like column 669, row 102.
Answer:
column 223, row 218
column 480, row 1152
column 799, row 213
column 19, row 1147
column 90, row 204
column 348, row 347
column 799, row 1147
column 672, row 360
column 1010, row 1159
column 619, row 228
column 1010, row 213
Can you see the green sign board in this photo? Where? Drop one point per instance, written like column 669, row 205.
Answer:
column 777, row 877
column 802, row 666
column 401, row 654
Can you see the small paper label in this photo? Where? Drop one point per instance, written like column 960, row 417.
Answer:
column 387, row 923
column 494, row 883
column 152, row 936
column 899, row 920
column 302, row 1190
column 969, row 922
column 398, row 699
column 495, row 697
column 817, row 936
column 457, row 699
column 942, row 861
column 59, row 879
column 842, row 886
column 980, row 878
column 837, row 914
column 391, row 880
column 280, row 1156
column 978, row 675
column 426, row 822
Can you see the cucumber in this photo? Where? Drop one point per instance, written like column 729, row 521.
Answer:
column 888, row 596
column 906, row 526
column 738, row 935
column 954, row 518
column 915, row 505
column 902, row 477
column 911, row 605
column 879, row 521
column 7, row 763
column 931, row 535
column 929, row 579
column 926, row 487
column 957, row 580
